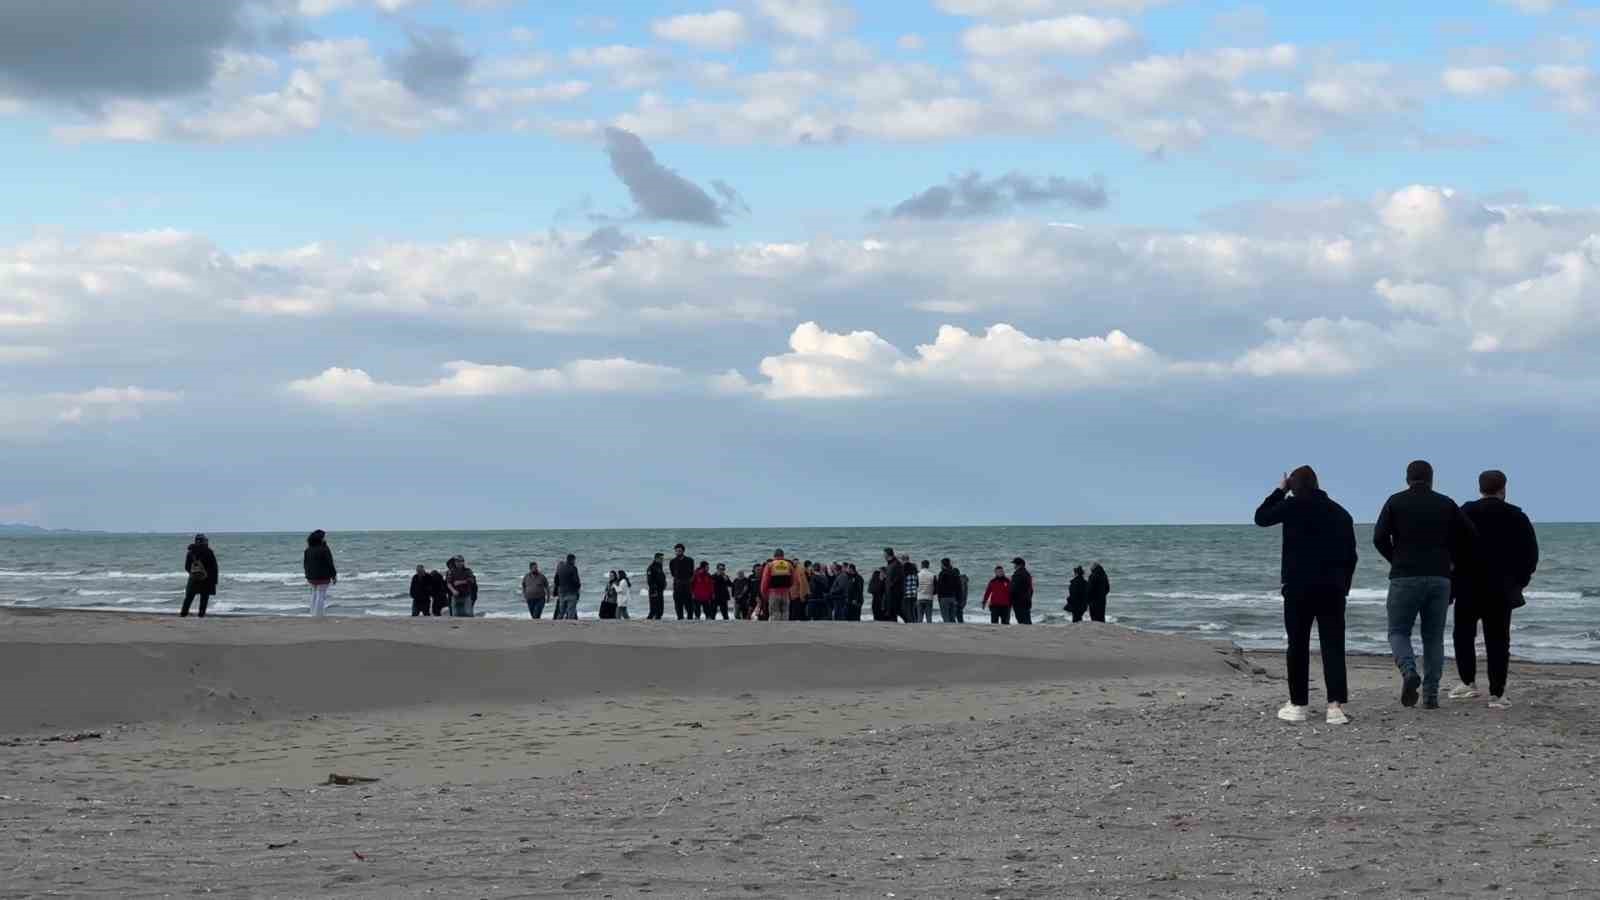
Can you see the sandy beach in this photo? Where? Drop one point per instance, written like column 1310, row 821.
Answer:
column 739, row 760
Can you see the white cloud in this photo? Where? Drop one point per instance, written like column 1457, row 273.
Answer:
column 1532, row 7
column 23, row 415
column 1477, row 80
column 810, row 20
column 355, row 388
column 1576, row 89
column 723, row 29
column 1069, row 35
column 1033, row 9
column 821, row 364
column 1334, row 347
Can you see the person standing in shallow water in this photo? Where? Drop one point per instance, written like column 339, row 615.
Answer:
column 1319, row 564
column 1022, row 592
column 421, row 599
column 997, row 597
column 1077, row 594
column 320, row 571
column 535, row 591
column 1099, row 590
column 201, row 564
column 655, row 583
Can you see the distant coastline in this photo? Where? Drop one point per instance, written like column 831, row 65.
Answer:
column 18, row 529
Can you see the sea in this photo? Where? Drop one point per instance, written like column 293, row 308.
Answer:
column 1217, row 583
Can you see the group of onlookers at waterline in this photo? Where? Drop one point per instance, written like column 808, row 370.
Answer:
column 1481, row 556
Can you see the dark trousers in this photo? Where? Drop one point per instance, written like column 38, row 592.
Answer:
column 1097, row 610
column 908, row 609
column 1077, row 615
column 818, row 611
column 658, row 603
column 536, row 607
column 999, row 615
column 1024, row 614
column 440, row 604
column 188, row 598
column 1496, row 619
column 720, row 606
column 682, row 603
column 420, row 607
column 1325, row 607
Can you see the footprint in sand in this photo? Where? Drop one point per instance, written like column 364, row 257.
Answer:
column 585, row 879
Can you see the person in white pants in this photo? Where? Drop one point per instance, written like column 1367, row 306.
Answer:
column 320, row 571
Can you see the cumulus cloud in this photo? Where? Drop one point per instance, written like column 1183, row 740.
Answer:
column 93, row 52
column 810, row 20
column 1476, row 81
column 662, row 194
column 1033, row 9
column 826, row 365
column 1575, row 89
column 356, row 388
column 970, row 196
column 724, row 29
column 433, row 64
column 1067, row 35
column 33, row 414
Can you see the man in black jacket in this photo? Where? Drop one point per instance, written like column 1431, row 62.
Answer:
column 947, row 587
column 200, row 562
column 1319, row 563
column 1422, row 534
column 894, row 576
column 1489, row 585
column 421, row 595
column 655, row 581
column 1022, row 592
column 682, row 569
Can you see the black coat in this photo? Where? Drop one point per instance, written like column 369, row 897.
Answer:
column 682, row 568
column 947, row 584
column 1422, row 533
column 421, row 587
column 1319, row 539
column 1099, row 586
column 319, row 563
column 1022, row 589
column 896, row 579
column 655, row 577
column 1505, row 555
column 1078, row 595
column 208, row 558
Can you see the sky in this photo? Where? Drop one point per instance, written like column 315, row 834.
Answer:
column 451, row 264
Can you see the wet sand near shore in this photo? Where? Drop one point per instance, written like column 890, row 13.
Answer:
column 739, row 760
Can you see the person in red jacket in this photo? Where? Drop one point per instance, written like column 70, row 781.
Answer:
column 703, row 589
column 997, row 597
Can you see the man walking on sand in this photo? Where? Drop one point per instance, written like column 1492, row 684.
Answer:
column 777, row 580
column 1489, row 585
column 1421, row 533
column 1319, row 564
column 568, row 588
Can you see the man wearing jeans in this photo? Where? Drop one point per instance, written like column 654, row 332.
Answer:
column 1421, row 533
column 568, row 587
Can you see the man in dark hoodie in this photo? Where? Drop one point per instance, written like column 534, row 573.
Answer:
column 894, row 580
column 1022, row 592
column 1489, row 585
column 569, row 587
column 1422, row 534
column 655, row 582
column 421, row 596
column 1077, row 594
column 201, row 564
column 1319, row 563
column 438, row 592
column 947, row 587
column 682, row 570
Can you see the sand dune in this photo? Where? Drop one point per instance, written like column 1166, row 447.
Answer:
column 94, row 669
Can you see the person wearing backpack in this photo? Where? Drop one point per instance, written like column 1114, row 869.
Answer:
column 201, row 564
column 320, row 571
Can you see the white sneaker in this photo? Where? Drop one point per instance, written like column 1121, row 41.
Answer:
column 1500, row 702
column 1464, row 692
column 1291, row 713
column 1336, row 715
